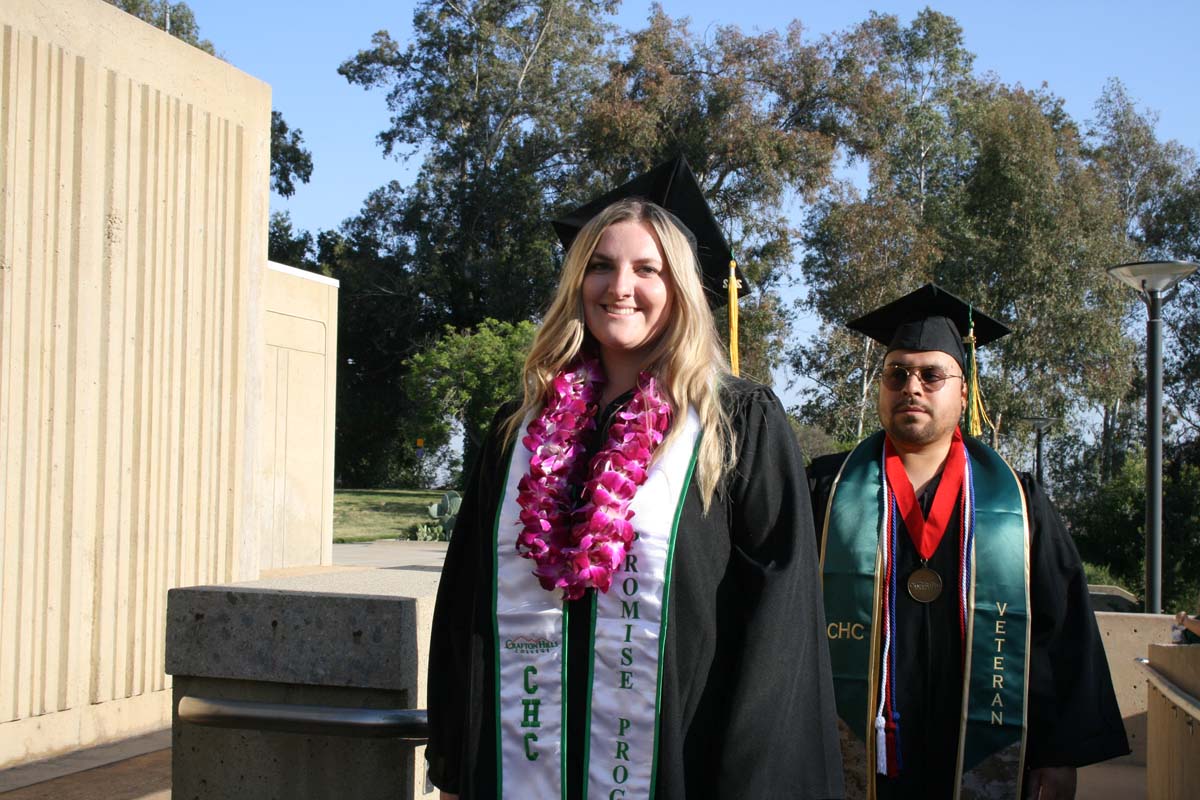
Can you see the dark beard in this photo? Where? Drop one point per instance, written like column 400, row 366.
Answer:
column 917, row 433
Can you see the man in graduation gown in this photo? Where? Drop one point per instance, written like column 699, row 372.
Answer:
column 966, row 657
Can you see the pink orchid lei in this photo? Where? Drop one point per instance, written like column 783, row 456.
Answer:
column 580, row 547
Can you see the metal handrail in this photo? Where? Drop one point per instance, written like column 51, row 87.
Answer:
column 407, row 725
column 1179, row 697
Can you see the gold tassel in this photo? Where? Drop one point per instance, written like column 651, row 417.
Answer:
column 976, row 413
column 732, row 283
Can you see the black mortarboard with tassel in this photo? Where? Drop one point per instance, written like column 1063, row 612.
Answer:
column 674, row 187
column 933, row 319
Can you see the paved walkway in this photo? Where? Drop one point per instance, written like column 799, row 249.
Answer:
column 140, row 768
column 132, row 769
column 390, row 554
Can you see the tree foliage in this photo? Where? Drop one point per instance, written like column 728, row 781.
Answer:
column 1155, row 187
column 1172, row 231
column 290, row 162
column 464, row 377
column 1136, row 166
column 981, row 188
column 1108, row 525
column 902, row 92
column 751, row 113
column 176, row 19
column 286, row 245
column 521, row 110
column 485, row 90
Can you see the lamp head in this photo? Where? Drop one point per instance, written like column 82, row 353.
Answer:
column 1152, row 276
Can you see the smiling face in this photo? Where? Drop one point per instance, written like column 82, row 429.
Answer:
column 914, row 415
column 626, row 291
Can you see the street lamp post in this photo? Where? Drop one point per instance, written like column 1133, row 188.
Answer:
column 1155, row 282
column 1041, row 425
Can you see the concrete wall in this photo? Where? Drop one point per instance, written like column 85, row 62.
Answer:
column 299, row 394
column 1126, row 637
column 133, row 220
column 1173, row 762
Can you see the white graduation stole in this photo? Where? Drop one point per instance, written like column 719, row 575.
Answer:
column 628, row 631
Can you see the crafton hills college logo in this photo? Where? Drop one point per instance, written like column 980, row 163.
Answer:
column 530, row 646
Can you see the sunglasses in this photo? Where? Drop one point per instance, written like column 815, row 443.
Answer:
column 895, row 377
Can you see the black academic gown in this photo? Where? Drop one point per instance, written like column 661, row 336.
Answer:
column 1073, row 717
column 747, row 702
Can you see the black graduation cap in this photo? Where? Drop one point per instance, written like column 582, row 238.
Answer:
column 672, row 186
column 929, row 319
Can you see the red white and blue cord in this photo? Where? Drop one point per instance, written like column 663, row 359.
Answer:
column 887, row 717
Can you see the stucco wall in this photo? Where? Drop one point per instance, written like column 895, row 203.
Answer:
column 133, row 219
column 298, row 403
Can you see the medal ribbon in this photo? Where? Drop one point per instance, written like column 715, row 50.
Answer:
column 926, row 534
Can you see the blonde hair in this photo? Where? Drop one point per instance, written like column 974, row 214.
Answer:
column 687, row 360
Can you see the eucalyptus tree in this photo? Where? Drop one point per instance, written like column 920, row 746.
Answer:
column 982, row 188
column 899, row 95
column 487, row 95
column 1174, row 232
column 753, row 116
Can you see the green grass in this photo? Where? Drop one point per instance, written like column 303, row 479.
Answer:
column 363, row 515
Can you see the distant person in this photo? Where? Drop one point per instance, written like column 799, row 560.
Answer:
column 630, row 604
column 944, row 568
column 1190, row 625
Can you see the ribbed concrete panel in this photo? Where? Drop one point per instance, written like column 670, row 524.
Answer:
column 133, row 203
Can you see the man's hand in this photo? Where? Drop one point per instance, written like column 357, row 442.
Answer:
column 1052, row 783
column 448, row 796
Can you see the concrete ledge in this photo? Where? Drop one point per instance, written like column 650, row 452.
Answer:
column 333, row 629
column 347, row 639
column 225, row 764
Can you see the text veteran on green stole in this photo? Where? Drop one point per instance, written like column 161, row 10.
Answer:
column 995, row 587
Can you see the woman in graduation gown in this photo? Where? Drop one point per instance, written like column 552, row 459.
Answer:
column 630, row 604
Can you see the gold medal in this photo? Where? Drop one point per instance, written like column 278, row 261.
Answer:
column 924, row 585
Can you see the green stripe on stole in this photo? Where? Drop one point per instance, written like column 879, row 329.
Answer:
column 991, row 741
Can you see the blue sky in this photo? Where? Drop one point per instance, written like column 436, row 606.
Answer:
column 296, row 46
column 1073, row 47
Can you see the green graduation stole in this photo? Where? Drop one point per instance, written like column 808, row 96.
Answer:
column 991, row 745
